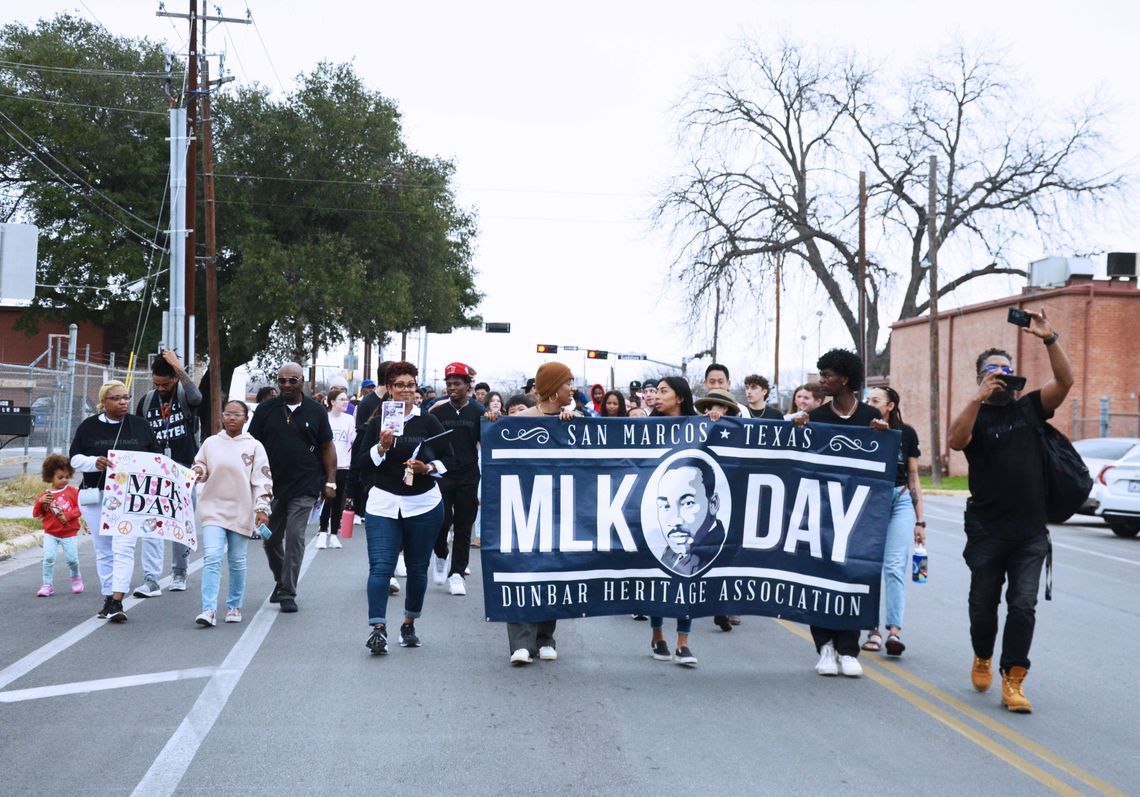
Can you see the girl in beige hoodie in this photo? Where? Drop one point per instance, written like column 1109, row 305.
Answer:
column 237, row 488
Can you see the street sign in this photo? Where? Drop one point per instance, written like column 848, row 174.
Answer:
column 495, row 326
column 569, row 348
column 631, row 356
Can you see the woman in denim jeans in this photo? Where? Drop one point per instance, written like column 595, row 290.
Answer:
column 237, row 488
column 404, row 508
column 906, row 523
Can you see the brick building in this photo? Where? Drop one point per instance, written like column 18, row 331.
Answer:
column 1099, row 324
column 19, row 348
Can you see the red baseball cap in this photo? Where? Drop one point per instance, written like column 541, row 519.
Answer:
column 458, row 369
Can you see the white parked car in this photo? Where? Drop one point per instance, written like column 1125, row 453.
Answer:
column 1119, row 495
column 1097, row 452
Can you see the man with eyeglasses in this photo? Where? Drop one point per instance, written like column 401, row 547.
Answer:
column 1005, row 523
column 297, row 437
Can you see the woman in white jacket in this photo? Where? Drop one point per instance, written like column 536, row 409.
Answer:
column 236, row 493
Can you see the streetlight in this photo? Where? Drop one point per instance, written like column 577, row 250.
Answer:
column 818, row 335
column 803, row 368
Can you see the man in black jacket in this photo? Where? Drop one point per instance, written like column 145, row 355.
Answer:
column 297, row 437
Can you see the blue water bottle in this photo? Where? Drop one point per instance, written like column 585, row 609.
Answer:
column 918, row 565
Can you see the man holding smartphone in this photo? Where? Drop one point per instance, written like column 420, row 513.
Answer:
column 1005, row 523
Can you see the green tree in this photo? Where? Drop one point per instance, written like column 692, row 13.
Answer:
column 83, row 157
column 344, row 232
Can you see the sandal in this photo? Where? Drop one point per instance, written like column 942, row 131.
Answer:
column 895, row 646
column 874, row 641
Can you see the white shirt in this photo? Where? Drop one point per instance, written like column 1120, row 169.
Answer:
column 385, row 504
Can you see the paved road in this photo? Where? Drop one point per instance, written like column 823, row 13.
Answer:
column 293, row 704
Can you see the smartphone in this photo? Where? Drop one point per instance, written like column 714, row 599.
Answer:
column 1013, row 382
column 264, row 532
column 1018, row 317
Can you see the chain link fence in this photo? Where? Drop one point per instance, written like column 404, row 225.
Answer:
column 1105, row 418
column 60, row 393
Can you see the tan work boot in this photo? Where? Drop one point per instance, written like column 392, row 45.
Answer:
column 981, row 675
column 1011, row 695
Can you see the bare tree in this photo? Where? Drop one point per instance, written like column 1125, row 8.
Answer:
column 778, row 139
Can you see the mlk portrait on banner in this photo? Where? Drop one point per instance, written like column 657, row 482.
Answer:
column 685, row 510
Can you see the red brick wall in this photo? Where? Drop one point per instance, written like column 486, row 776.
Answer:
column 19, row 348
column 1099, row 324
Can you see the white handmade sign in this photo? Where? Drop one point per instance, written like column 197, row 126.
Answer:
column 148, row 495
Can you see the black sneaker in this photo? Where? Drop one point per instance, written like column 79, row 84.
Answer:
column 275, row 596
column 408, row 638
column 288, row 604
column 106, row 610
column 378, row 641
column 685, row 657
column 115, row 612
column 660, row 650
column 722, row 622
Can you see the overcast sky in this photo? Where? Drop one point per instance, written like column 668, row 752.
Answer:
column 559, row 120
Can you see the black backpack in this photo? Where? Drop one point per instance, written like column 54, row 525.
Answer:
column 1067, row 480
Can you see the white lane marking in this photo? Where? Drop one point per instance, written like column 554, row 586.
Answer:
column 169, row 767
column 22, row 667
column 102, row 684
column 1063, row 545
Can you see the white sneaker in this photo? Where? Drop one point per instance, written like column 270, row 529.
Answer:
column 206, row 618
column 456, row 585
column 334, row 541
column 401, row 568
column 827, row 664
column 322, row 540
column 393, row 586
column 850, row 666
column 521, row 657
column 233, row 615
column 547, row 653
column 467, row 571
column 439, row 572
column 177, row 582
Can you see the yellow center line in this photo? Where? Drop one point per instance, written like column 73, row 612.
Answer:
column 989, row 745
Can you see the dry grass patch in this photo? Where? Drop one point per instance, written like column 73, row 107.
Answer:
column 10, row 528
column 20, row 490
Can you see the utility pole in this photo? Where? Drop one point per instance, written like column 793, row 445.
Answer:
column 716, row 321
column 183, row 300
column 776, row 373
column 863, row 269
column 213, row 341
column 932, row 234
column 189, row 295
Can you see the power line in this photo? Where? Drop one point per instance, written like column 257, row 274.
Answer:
column 268, row 57
column 81, row 105
column 66, row 183
column 75, row 70
column 402, row 184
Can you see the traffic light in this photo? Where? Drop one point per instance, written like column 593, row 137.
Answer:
column 597, row 354
column 546, row 348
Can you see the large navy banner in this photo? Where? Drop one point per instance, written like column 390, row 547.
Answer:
column 683, row 517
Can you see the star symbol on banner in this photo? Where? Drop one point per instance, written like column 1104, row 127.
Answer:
column 724, row 434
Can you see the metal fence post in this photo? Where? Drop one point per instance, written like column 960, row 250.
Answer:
column 1104, row 416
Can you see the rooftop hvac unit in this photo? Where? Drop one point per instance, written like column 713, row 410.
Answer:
column 1122, row 264
column 1051, row 272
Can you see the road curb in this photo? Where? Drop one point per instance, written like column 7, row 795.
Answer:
column 17, row 544
column 951, row 493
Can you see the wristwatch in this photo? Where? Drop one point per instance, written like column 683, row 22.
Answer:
column 1049, row 341
column 330, row 485
column 920, row 523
